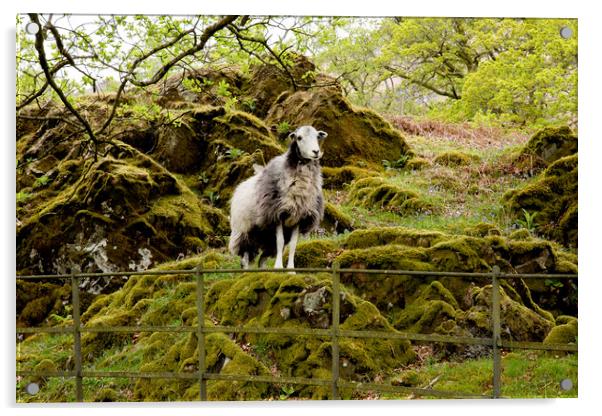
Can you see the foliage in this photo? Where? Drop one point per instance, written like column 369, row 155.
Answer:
column 495, row 71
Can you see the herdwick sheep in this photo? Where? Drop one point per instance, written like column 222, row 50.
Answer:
column 281, row 201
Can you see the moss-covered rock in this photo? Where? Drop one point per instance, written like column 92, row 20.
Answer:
column 337, row 178
column 305, row 302
column 518, row 322
column 335, row 220
column 455, row 158
column 563, row 333
column 376, row 192
column 552, row 198
column 113, row 214
column 548, row 145
column 378, row 236
column 316, row 253
column 417, row 163
column 353, row 134
column 482, row 229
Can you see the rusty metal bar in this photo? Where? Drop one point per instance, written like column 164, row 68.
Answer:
column 410, row 390
column 77, row 341
column 304, row 270
column 539, row 346
column 200, row 335
column 336, row 314
column 496, row 331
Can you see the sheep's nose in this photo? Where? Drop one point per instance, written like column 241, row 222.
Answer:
column 316, row 152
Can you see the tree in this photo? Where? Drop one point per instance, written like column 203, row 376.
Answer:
column 71, row 55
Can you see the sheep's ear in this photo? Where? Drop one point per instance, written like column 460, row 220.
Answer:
column 292, row 136
column 322, row 135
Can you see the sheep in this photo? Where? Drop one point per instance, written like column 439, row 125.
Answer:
column 279, row 202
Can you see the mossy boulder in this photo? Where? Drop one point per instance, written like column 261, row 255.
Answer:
column 338, row 178
column 552, row 198
column 316, row 253
column 304, row 301
column 354, row 134
column 483, row 229
column 519, row 323
column 335, row 220
column 547, row 146
column 417, row 163
column 455, row 158
column 376, row 192
column 563, row 333
column 268, row 83
column 115, row 213
column 378, row 236
column 406, row 249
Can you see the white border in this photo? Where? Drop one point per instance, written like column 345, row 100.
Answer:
column 590, row 132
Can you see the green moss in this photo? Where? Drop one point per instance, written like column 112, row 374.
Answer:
column 106, row 394
column 520, row 235
column 337, row 178
column 548, row 145
column 482, row 230
column 563, row 334
column 433, row 306
column 417, row 163
column 335, row 220
column 377, row 236
column 354, row 134
column 553, row 197
column 304, row 301
column 315, row 253
column 376, row 192
column 455, row 158
column 518, row 322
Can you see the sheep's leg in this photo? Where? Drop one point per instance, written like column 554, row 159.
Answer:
column 292, row 245
column 279, row 246
column 244, row 260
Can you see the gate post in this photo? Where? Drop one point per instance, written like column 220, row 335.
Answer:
column 496, row 330
column 200, row 335
column 336, row 276
column 77, row 340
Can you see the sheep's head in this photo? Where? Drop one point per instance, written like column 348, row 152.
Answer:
column 308, row 142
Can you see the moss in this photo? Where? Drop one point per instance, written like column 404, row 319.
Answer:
column 107, row 394
column 518, row 322
column 315, row 253
column 553, row 197
column 408, row 378
column 455, row 158
column 375, row 192
column 482, row 230
column 434, row 305
column 337, row 178
column 354, row 134
column 305, row 301
column 417, row 163
column 548, row 145
column 44, row 366
column 377, row 236
column 520, row 235
column 563, row 334
column 335, row 220
column 110, row 214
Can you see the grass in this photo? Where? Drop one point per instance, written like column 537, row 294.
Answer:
column 525, row 374
column 462, row 196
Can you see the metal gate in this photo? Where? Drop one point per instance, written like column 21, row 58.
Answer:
column 335, row 333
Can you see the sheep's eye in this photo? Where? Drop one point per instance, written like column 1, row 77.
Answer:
column 299, row 138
